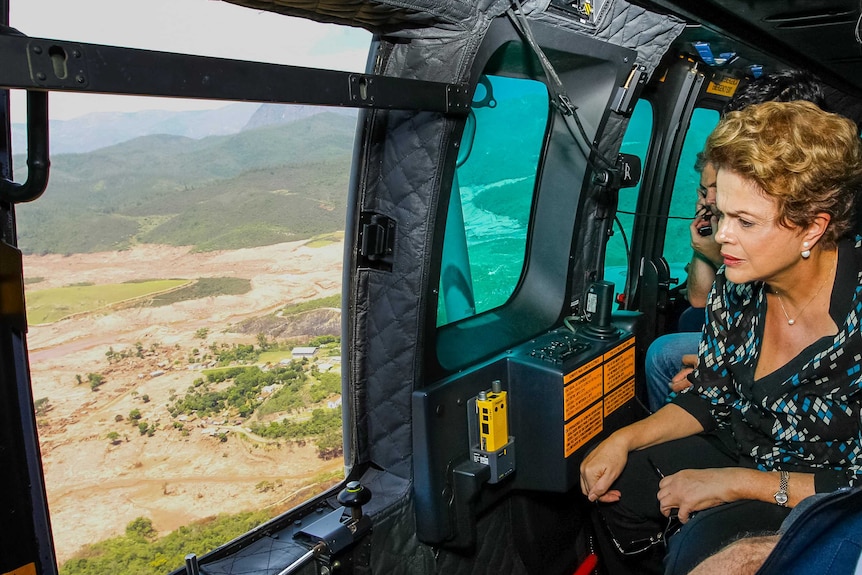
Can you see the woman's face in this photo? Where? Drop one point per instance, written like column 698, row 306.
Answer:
column 706, row 187
column 754, row 246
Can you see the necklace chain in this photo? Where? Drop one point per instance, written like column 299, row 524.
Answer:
column 791, row 321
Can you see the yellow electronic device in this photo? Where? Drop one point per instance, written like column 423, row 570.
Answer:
column 492, row 408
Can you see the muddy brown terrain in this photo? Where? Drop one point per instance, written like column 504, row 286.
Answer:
column 96, row 485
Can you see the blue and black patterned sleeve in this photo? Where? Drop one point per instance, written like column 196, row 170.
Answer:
column 712, row 395
column 803, row 417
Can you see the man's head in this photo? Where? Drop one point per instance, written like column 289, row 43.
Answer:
column 786, row 86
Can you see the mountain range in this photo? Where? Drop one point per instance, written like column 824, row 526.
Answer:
column 218, row 179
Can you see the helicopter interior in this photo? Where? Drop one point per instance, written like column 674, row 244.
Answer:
column 471, row 393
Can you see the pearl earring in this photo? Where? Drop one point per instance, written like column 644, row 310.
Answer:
column 806, row 253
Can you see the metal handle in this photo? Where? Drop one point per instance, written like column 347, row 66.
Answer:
column 38, row 162
column 310, row 554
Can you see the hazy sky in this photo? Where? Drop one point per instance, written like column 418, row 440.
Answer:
column 204, row 27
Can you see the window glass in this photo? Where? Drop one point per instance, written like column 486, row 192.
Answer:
column 492, row 192
column 636, row 142
column 677, row 247
column 183, row 283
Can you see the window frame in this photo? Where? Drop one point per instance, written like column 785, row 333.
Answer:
column 590, row 71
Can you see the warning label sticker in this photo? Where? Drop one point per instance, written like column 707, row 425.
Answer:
column 619, row 369
column 28, row 569
column 582, row 392
column 726, row 87
column 629, row 343
column 573, row 375
column 619, row 397
column 583, row 428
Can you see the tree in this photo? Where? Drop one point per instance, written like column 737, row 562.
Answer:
column 42, row 406
column 95, row 380
column 262, row 343
column 329, row 444
column 113, row 437
column 141, row 528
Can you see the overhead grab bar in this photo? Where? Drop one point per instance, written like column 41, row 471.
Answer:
column 38, row 163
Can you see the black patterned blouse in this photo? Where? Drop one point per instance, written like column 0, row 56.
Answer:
column 805, row 416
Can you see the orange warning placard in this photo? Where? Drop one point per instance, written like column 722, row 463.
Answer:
column 572, row 375
column 619, row 397
column 28, row 569
column 583, row 428
column 582, row 392
column 618, row 349
column 619, row 369
column 726, row 87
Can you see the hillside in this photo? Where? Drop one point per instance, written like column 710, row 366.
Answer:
column 260, row 186
column 102, row 129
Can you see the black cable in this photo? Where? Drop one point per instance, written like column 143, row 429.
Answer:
column 561, row 100
column 625, row 238
column 657, row 216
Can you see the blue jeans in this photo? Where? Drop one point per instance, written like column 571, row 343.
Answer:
column 663, row 361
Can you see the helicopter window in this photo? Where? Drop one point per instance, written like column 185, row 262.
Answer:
column 168, row 423
column 492, row 192
column 635, row 142
column 676, row 252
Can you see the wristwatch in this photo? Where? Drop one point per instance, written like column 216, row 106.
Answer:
column 781, row 495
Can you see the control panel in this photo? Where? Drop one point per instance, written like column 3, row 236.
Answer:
column 552, row 397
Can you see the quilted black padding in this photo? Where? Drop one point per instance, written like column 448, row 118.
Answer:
column 379, row 17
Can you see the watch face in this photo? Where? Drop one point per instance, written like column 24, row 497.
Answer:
column 781, row 498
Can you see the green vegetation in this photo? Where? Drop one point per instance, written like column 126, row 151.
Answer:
column 42, row 405
column 285, row 400
column 241, row 398
column 50, row 305
column 95, row 380
column 272, row 184
column 293, row 309
column 325, row 240
column 33, row 280
column 273, row 357
column 327, row 384
column 139, row 552
column 138, row 351
column 322, row 420
column 239, row 391
column 203, row 287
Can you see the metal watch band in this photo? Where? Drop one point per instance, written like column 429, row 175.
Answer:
column 781, row 495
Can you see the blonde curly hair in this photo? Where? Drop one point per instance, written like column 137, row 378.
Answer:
column 809, row 161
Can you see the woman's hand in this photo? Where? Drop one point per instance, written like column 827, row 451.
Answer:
column 706, row 246
column 601, row 468
column 606, row 462
column 693, row 490
column 680, row 380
